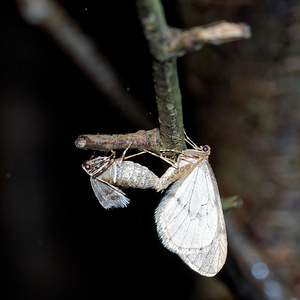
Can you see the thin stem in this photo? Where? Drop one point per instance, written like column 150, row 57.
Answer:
column 149, row 140
column 155, row 27
column 168, row 95
column 168, row 98
column 166, row 44
column 217, row 33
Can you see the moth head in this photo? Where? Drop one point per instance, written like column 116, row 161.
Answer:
column 205, row 149
column 97, row 165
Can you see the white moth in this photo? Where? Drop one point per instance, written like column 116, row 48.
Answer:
column 106, row 172
column 190, row 219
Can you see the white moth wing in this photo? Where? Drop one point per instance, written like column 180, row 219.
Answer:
column 190, row 221
column 108, row 195
column 188, row 217
column 209, row 260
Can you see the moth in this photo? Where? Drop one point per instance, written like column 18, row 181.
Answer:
column 189, row 218
column 106, row 173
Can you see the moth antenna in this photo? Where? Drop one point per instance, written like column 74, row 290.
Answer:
column 189, row 141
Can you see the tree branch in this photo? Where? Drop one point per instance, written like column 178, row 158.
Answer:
column 183, row 41
column 166, row 44
column 149, row 140
column 156, row 29
column 168, row 95
column 168, row 99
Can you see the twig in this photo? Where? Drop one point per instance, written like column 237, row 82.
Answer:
column 166, row 44
column 156, row 29
column 217, row 33
column 149, row 140
column 168, row 95
column 50, row 16
column 168, row 99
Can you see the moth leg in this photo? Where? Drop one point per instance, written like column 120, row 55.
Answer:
column 130, row 156
column 180, row 157
column 124, row 152
column 170, row 150
column 166, row 159
column 133, row 155
column 118, row 163
column 113, row 155
column 93, row 155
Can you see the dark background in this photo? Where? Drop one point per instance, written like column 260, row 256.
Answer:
column 240, row 98
column 57, row 241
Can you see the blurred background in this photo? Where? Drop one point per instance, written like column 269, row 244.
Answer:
column 240, row 98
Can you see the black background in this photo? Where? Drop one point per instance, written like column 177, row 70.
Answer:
column 58, row 242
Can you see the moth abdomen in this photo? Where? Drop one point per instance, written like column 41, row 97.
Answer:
column 130, row 174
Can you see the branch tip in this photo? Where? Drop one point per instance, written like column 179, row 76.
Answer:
column 80, row 142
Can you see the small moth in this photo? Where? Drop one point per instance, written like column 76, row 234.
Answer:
column 106, row 172
column 190, row 219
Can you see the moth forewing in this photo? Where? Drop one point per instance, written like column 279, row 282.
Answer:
column 214, row 257
column 208, row 261
column 189, row 218
column 182, row 214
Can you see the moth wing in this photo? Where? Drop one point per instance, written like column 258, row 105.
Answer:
column 209, row 260
column 188, row 216
column 108, row 195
